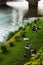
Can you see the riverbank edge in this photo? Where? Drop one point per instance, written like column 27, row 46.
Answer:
column 12, row 39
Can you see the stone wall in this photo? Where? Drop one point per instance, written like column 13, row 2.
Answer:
column 3, row 2
column 33, row 2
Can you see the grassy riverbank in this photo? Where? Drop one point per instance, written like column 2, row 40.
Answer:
column 15, row 54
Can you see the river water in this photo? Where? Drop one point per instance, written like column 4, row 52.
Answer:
column 10, row 20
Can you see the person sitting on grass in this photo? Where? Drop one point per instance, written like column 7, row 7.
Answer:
column 25, row 55
column 35, row 28
column 33, row 52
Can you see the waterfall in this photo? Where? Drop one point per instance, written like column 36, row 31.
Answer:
column 40, row 7
column 20, row 7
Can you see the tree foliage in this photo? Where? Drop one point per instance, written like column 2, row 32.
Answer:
column 37, row 59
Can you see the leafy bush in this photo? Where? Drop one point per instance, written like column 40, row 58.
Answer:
column 37, row 59
column 20, row 28
column 23, row 29
column 22, row 34
column 3, row 48
column 16, row 31
column 11, row 44
column 17, row 38
column 11, row 34
column 28, row 23
column 38, row 19
column 35, row 21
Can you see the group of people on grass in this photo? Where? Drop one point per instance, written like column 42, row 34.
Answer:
column 31, row 51
column 34, row 28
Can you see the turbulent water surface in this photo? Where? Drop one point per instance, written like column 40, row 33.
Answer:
column 10, row 20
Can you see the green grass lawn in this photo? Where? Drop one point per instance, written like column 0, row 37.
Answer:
column 15, row 55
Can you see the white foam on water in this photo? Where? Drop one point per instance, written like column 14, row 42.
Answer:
column 6, row 23
column 23, row 6
column 40, row 7
column 9, row 22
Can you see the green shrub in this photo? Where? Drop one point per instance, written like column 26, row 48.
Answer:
column 17, row 38
column 35, row 21
column 16, row 31
column 11, row 34
column 20, row 28
column 23, row 29
column 28, row 23
column 22, row 34
column 4, row 48
column 37, row 59
column 11, row 44
column 38, row 19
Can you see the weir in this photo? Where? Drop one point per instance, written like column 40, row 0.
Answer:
column 33, row 9
column 31, row 2
column 32, row 6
